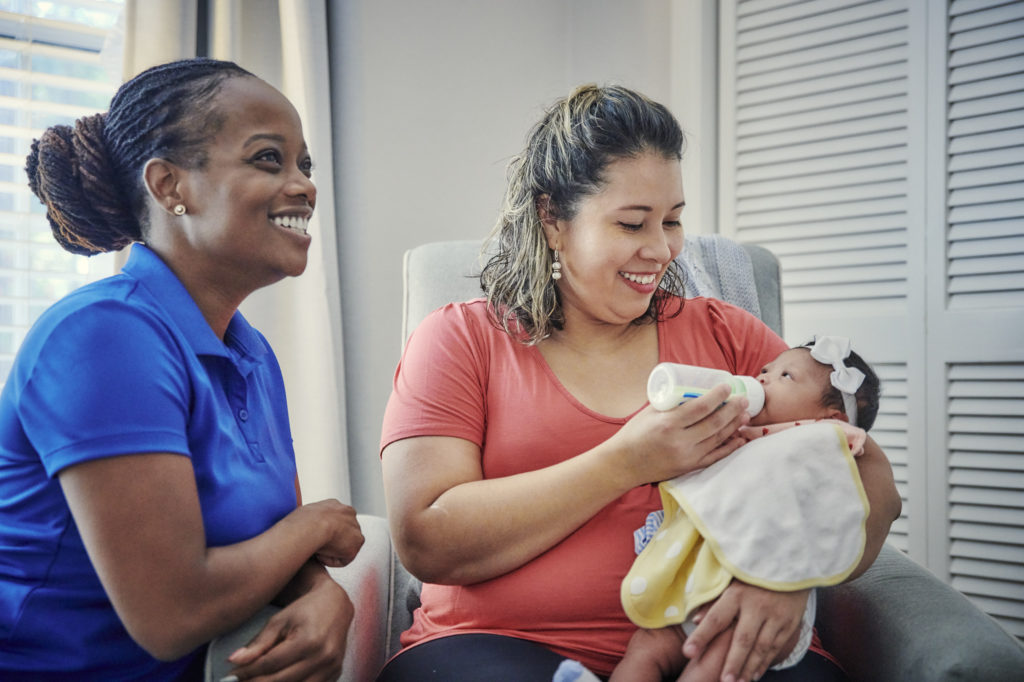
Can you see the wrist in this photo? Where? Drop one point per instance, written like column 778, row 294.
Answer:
column 612, row 468
column 311, row 577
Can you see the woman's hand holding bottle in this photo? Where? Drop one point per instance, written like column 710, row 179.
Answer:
column 660, row 445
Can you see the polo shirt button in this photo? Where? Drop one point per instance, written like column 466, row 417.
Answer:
column 243, row 414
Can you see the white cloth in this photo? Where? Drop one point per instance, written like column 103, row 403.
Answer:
column 784, row 512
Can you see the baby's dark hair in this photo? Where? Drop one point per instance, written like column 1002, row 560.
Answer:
column 867, row 396
column 89, row 176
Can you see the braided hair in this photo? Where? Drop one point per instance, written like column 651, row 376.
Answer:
column 89, row 176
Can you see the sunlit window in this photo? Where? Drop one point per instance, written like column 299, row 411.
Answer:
column 58, row 61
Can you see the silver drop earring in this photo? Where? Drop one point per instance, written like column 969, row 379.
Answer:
column 556, row 267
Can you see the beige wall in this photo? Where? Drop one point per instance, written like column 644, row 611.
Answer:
column 430, row 101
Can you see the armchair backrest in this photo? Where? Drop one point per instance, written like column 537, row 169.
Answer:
column 747, row 275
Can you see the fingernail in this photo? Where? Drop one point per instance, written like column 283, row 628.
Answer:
column 229, row 678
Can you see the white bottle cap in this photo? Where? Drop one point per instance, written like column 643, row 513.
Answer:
column 755, row 395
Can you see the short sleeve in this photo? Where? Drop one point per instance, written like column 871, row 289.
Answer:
column 440, row 384
column 103, row 380
column 748, row 343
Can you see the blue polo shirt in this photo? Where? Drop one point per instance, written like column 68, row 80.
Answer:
column 126, row 365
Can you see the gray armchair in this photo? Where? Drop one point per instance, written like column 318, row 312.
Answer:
column 895, row 622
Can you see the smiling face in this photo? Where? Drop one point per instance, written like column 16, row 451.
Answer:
column 616, row 247
column 250, row 202
column 794, row 384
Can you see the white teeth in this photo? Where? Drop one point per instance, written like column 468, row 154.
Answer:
column 292, row 222
column 639, row 279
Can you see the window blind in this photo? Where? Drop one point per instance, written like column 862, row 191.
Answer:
column 53, row 69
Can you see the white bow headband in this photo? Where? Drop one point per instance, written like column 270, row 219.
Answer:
column 832, row 350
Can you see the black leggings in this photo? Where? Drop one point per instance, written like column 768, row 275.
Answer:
column 473, row 658
column 497, row 658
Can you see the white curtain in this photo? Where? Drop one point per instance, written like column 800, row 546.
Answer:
column 285, row 43
column 156, row 31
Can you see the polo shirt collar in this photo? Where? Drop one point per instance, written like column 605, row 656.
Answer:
column 170, row 295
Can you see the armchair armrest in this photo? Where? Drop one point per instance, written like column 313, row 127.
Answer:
column 384, row 596
column 898, row 621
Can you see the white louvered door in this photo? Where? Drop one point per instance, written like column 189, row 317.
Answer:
column 816, row 147
column 877, row 147
column 975, row 349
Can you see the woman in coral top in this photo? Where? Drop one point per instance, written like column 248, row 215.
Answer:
column 518, row 446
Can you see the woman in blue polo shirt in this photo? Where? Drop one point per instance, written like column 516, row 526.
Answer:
column 148, row 491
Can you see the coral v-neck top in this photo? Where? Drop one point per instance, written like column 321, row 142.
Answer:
column 461, row 376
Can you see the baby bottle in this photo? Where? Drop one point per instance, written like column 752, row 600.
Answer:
column 672, row 384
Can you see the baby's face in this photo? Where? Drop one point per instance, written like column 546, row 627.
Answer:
column 793, row 385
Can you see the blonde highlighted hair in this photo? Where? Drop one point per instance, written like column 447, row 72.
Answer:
column 566, row 154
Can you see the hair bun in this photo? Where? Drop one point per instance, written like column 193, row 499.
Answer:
column 69, row 171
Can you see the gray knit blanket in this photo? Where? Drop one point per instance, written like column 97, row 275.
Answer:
column 717, row 267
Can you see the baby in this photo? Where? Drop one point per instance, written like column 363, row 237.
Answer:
column 822, row 380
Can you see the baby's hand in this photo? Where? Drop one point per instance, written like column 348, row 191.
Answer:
column 708, row 666
column 749, row 433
